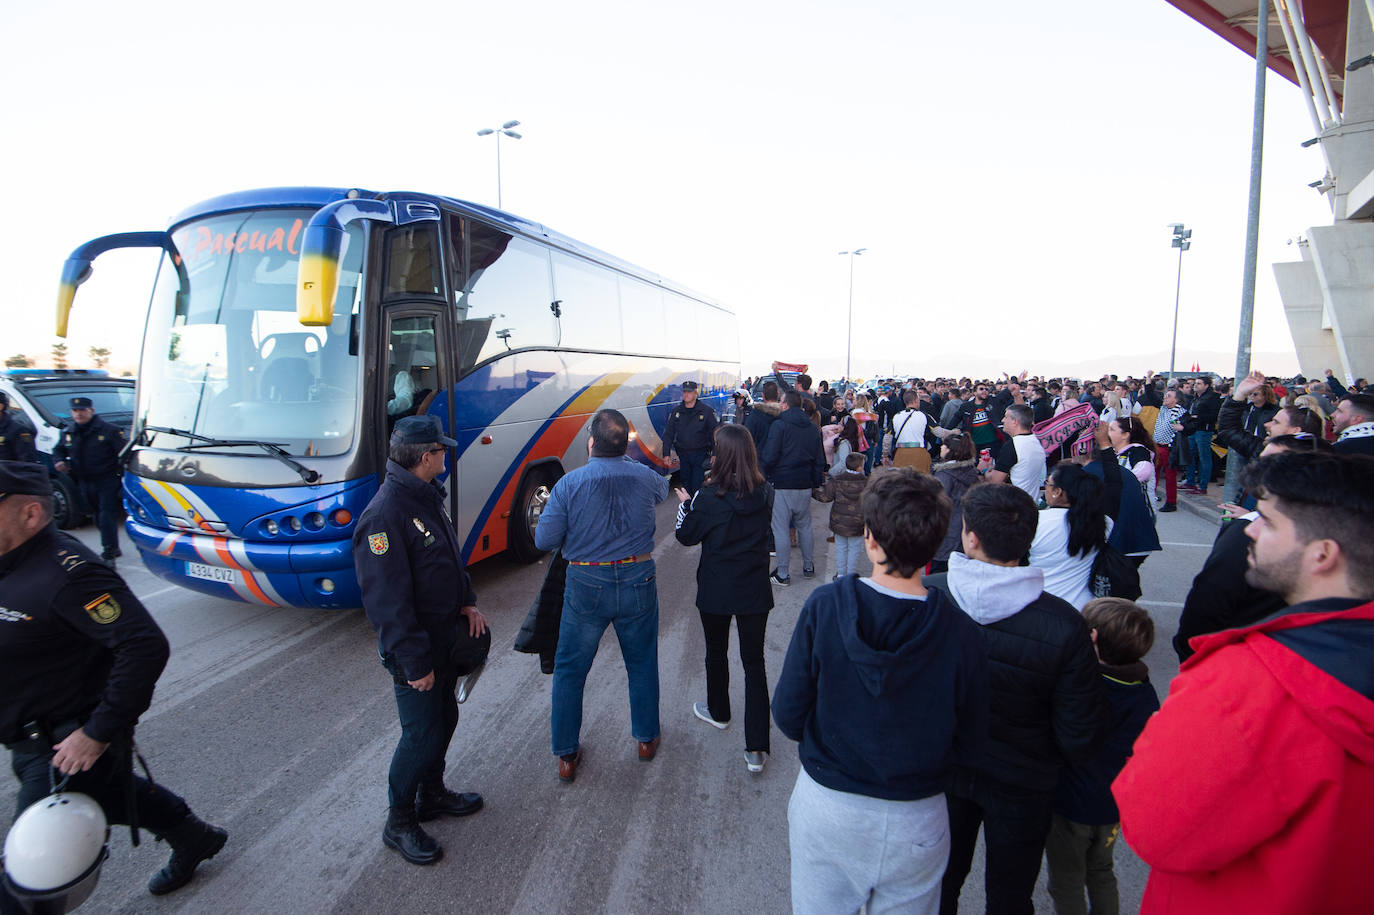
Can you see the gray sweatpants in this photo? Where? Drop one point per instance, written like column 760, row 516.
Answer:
column 850, row 850
column 792, row 507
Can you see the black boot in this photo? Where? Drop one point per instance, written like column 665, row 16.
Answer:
column 404, row 834
column 192, row 841
column 435, row 801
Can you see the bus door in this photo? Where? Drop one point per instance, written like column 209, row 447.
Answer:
column 416, row 369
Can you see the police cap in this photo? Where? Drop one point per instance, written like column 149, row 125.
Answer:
column 24, row 478
column 81, row 403
column 420, row 430
column 689, row 386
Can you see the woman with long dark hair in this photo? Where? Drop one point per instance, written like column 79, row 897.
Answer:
column 1135, row 451
column 1070, row 532
column 731, row 517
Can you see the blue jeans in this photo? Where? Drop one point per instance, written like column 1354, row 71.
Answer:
column 1200, row 467
column 624, row 596
column 847, row 553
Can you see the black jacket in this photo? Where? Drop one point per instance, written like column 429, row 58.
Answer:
column 411, row 572
column 792, row 455
column 759, row 420
column 91, row 450
column 1232, row 433
column 689, row 428
column 732, row 574
column 539, row 634
column 1048, row 706
column 1220, row 597
column 16, row 438
column 1203, row 411
column 1085, row 789
column 75, row 644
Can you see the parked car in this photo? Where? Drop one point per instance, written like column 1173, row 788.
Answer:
column 44, row 395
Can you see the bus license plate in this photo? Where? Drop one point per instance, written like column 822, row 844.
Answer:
column 210, row 573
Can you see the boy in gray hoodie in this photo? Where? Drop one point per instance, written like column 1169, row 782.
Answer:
column 1047, row 703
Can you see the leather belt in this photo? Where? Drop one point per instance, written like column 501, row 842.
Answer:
column 614, row 562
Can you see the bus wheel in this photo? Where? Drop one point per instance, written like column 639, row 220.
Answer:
column 529, row 505
column 65, row 513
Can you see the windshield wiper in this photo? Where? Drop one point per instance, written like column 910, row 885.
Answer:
column 273, row 448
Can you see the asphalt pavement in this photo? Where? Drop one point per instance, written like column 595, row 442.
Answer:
column 279, row 724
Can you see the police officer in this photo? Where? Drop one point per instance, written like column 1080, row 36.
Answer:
column 691, row 432
column 16, row 434
column 79, row 657
column 430, row 634
column 89, row 449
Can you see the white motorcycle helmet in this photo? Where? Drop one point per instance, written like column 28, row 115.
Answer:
column 54, row 851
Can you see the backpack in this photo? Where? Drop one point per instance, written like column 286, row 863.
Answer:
column 1113, row 575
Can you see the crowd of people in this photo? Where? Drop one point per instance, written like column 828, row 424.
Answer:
column 985, row 676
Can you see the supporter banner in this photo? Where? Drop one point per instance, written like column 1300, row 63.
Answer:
column 1065, row 427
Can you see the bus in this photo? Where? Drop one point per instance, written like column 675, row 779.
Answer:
column 290, row 328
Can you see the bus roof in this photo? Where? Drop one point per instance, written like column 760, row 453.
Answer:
column 274, row 197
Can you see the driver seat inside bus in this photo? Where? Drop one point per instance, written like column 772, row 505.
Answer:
column 288, row 366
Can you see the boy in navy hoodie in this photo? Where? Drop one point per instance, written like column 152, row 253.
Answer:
column 1086, row 822
column 883, row 686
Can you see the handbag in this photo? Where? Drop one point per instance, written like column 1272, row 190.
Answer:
column 1113, row 575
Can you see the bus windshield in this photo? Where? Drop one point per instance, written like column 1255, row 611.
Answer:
column 230, row 361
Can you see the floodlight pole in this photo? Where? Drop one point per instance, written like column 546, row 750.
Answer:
column 1234, row 461
column 1182, row 243
column 503, row 129
column 849, row 342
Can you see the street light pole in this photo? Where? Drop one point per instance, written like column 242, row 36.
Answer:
column 503, row 129
column 1182, row 243
column 849, row 342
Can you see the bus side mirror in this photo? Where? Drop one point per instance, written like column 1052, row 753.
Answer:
column 77, row 269
column 317, row 280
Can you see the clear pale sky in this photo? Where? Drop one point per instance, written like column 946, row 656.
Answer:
column 1011, row 167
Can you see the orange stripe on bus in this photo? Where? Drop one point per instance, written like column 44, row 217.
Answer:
column 222, row 548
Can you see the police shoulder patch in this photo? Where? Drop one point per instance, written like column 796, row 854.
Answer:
column 104, row 609
column 378, row 544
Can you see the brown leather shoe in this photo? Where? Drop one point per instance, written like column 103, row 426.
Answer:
column 567, row 768
column 648, row 748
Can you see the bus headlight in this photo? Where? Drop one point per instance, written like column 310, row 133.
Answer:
column 314, row 521
column 294, row 523
column 270, row 527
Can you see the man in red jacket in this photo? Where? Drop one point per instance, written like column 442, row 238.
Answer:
column 1252, row 790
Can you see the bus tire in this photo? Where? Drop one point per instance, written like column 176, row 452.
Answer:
column 529, row 505
column 66, row 507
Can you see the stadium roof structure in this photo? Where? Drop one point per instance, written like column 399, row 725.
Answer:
column 1235, row 21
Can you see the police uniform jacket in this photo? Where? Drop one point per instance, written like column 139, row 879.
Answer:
column 75, row 644
column 411, row 572
column 16, row 438
column 92, row 449
column 689, row 428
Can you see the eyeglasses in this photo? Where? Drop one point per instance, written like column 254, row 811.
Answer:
column 440, row 450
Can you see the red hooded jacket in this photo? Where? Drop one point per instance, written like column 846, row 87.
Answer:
column 1252, row 789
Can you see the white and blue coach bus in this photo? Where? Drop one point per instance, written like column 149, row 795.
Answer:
column 290, row 328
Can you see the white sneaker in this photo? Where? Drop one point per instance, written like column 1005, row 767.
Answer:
column 755, row 759
column 701, row 711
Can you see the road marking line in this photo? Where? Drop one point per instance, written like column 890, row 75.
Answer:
column 1201, row 546
column 1161, row 603
column 162, row 591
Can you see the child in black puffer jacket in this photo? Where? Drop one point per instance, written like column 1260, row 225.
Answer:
column 846, row 517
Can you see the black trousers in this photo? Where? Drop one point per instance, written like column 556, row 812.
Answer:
column 716, row 627
column 1015, row 823
column 429, row 718
column 693, row 469
column 103, row 496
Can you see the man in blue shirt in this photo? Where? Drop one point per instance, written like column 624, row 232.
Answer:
column 602, row 517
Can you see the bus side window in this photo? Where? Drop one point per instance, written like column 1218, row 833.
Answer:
column 505, row 302
column 412, row 261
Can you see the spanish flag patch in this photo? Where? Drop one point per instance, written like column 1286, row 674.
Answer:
column 104, row 609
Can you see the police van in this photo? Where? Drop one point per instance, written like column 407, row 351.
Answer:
column 44, row 397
